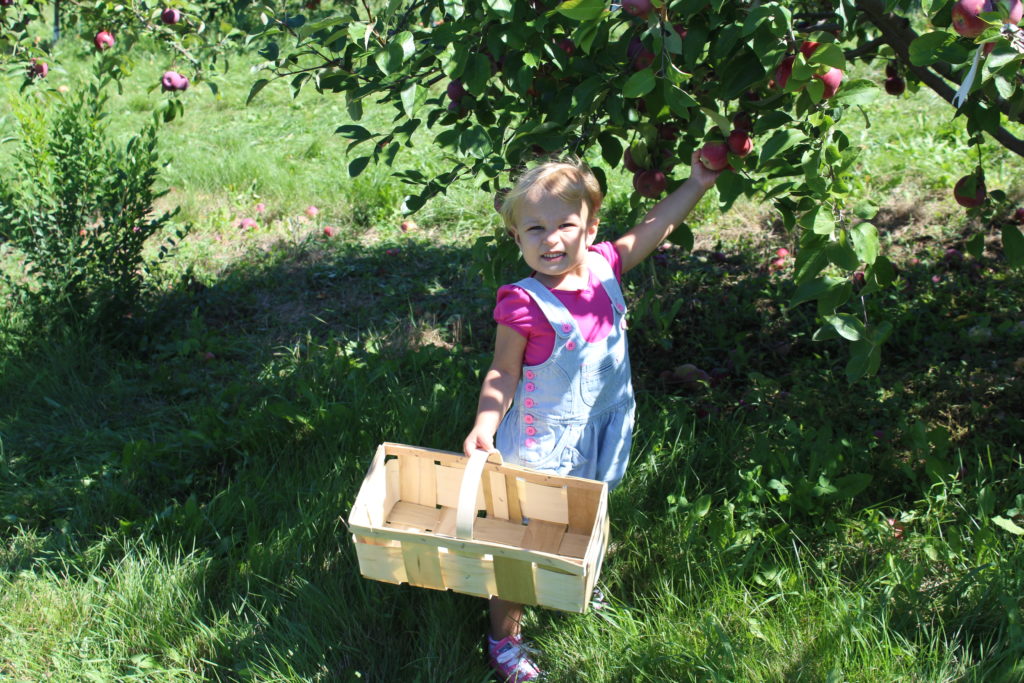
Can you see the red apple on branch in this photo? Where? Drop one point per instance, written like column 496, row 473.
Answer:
column 103, row 40
column 715, row 156
column 173, row 81
column 170, row 16
column 739, row 143
column 38, row 68
column 965, row 17
column 831, row 78
column 649, row 183
column 970, row 191
column 637, row 8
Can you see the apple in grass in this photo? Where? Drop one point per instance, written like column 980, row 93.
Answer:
column 103, row 40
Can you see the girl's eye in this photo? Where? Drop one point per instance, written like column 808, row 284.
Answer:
column 534, row 228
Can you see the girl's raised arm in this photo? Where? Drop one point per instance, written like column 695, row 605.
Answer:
column 665, row 216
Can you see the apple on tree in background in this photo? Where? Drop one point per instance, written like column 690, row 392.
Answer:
column 831, row 79
column 649, row 183
column 103, row 40
column 173, row 81
column 637, row 8
column 38, row 68
column 170, row 16
column 965, row 17
column 739, row 143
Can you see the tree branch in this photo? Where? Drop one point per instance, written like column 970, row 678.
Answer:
column 898, row 34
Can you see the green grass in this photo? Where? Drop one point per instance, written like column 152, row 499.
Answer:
column 173, row 508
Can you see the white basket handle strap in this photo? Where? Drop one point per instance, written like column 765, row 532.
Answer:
column 466, row 510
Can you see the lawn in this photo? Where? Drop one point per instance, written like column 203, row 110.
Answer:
column 173, row 503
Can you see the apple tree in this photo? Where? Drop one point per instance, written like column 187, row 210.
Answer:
column 759, row 87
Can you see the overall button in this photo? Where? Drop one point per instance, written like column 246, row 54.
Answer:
column 566, row 327
column 621, row 308
column 530, row 386
column 570, row 345
column 529, row 374
column 529, row 403
column 528, row 419
column 530, row 443
column 530, row 431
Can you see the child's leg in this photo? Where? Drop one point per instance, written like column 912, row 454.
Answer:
column 505, row 618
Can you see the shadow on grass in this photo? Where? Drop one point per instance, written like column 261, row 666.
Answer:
column 240, row 422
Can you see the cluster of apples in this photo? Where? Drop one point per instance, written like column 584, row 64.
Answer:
column 894, row 84
column 715, row 155
column 648, row 182
column 968, row 23
column 830, row 79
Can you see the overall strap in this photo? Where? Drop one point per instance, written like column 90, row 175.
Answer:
column 603, row 271
column 554, row 310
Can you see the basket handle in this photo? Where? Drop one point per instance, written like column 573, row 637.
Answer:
column 466, row 510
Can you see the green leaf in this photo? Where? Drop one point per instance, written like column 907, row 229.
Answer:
column 639, row 84
column 581, row 10
column 842, row 256
column 847, row 326
column 741, row 71
column 1007, row 525
column 809, row 262
column 935, row 47
column 721, row 121
column 256, row 87
column 1013, row 246
column 813, row 289
column 865, row 358
column 357, row 166
column 408, row 96
column 829, row 54
column 852, row 484
column 677, row 99
column 834, row 298
column 682, row 236
column 779, row 142
column 475, row 142
column 865, row 242
column 820, row 221
column 611, row 148
column 976, row 245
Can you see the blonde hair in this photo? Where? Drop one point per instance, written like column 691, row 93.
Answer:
column 569, row 179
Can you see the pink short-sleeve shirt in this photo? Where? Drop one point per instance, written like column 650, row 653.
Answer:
column 590, row 307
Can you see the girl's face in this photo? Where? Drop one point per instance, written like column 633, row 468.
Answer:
column 553, row 236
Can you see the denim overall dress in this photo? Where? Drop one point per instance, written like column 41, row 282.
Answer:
column 573, row 413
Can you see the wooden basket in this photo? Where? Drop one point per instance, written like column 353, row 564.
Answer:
column 417, row 520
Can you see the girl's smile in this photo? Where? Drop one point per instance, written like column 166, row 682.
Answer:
column 553, row 235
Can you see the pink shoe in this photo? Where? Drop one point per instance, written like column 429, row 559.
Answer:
column 511, row 659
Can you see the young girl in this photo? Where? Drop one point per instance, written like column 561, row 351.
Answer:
column 558, row 395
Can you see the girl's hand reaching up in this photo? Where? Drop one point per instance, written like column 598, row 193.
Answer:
column 700, row 173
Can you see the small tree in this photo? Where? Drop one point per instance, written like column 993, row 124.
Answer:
column 79, row 210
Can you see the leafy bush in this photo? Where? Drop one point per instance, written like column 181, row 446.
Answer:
column 79, row 209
